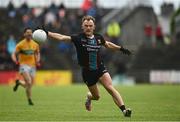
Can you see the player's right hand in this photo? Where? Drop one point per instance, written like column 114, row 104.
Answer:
column 17, row 63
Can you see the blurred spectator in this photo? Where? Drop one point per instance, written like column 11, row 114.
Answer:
column 10, row 6
column 53, row 8
column 11, row 44
column 167, row 40
column 29, row 20
column 12, row 14
column 148, row 31
column 36, row 12
column 24, row 8
column 56, row 18
column 56, row 25
column 11, row 10
column 63, row 19
column 113, row 31
column 92, row 11
column 159, row 35
column 73, row 23
column 62, row 11
column 64, row 47
column 50, row 18
column 86, row 5
column 91, row 8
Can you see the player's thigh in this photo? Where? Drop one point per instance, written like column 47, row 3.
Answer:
column 106, row 80
column 24, row 71
column 94, row 90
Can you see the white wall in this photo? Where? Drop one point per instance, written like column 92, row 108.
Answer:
column 164, row 76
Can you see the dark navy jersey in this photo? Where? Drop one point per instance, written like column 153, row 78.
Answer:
column 88, row 50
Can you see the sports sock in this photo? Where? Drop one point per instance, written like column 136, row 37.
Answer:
column 30, row 102
column 122, row 107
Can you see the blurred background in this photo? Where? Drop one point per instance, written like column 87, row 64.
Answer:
column 151, row 28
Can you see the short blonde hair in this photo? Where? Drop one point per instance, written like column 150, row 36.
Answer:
column 87, row 17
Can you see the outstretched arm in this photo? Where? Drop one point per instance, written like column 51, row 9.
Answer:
column 37, row 59
column 37, row 55
column 15, row 54
column 14, row 57
column 59, row 37
column 115, row 47
column 112, row 46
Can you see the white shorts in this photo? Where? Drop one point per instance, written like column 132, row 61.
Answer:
column 28, row 69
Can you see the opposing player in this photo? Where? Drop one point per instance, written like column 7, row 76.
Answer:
column 27, row 56
column 88, row 46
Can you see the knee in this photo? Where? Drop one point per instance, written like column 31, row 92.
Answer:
column 28, row 84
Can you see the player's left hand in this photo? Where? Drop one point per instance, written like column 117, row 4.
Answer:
column 125, row 51
column 43, row 28
column 38, row 65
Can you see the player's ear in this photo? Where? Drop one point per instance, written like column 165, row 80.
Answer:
column 82, row 27
column 24, row 35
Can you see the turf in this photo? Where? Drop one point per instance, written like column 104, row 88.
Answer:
column 66, row 103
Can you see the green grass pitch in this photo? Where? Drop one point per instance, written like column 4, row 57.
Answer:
column 66, row 103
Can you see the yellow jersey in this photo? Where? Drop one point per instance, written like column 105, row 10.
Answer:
column 26, row 51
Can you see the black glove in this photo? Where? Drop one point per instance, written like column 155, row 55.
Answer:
column 125, row 51
column 43, row 28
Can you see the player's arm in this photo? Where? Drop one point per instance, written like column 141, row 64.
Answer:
column 115, row 47
column 59, row 37
column 15, row 54
column 111, row 46
column 14, row 57
column 37, row 57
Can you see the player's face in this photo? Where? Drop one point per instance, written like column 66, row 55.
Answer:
column 28, row 34
column 88, row 27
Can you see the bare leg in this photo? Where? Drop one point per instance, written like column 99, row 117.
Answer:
column 93, row 94
column 19, row 83
column 22, row 83
column 106, row 81
column 28, row 80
